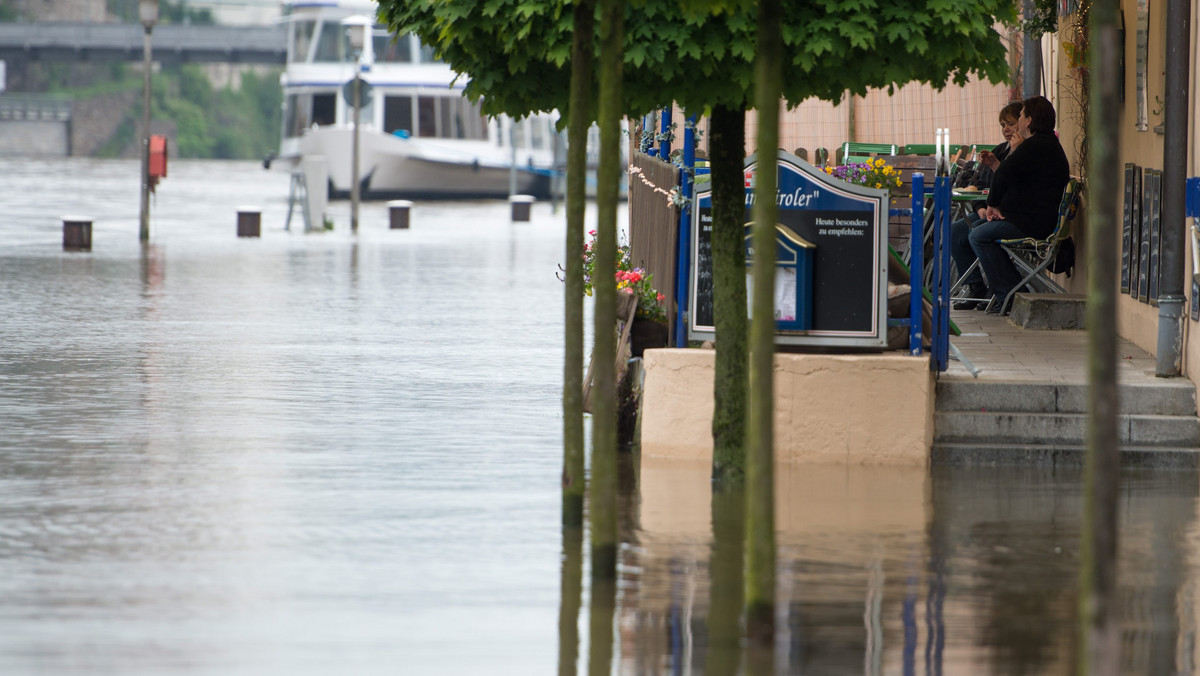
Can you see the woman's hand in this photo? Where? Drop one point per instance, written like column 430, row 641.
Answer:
column 982, row 213
column 989, row 160
column 993, row 214
column 1015, row 141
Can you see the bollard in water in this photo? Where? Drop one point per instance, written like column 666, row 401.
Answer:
column 521, row 206
column 398, row 214
column 249, row 222
column 77, row 233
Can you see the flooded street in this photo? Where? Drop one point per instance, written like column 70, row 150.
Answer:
column 331, row 453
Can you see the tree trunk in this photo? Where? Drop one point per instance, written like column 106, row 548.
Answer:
column 1099, row 639
column 727, row 142
column 571, row 593
column 725, row 580
column 577, row 128
column 760, row 438
column 603, row 489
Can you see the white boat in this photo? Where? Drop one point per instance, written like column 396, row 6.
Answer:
column 419, row 137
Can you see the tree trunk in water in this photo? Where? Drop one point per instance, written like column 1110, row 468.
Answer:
column 760, row 437
column 577, row 128
column 571, row 593
column 603, row 489
column 727, row 142
column 725, row 580
column 1099, row 639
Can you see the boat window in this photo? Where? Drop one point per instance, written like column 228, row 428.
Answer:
column 537, row 133
column 302, row 33
column 426, row 55
column 518, row 140
column 324, row 108
column 387, row 51
column 296, row 116
column 446, row 116
column 469, row 122
column 397, row 114
column 427, row 116
column 330, row 43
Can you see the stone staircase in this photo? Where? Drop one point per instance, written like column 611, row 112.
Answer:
column 994, row 422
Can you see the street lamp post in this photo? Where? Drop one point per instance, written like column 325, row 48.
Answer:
column 148, row 13
column 358, row 31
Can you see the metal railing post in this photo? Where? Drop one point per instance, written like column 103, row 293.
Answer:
column 941, row 272
column 664, row 128
column 916, row 271
column 683, row 243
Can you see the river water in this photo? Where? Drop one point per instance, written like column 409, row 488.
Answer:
column 340, row 453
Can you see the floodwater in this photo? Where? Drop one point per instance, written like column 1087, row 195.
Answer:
column 340, row 453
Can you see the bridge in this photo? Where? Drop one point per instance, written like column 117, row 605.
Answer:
column 171, row 43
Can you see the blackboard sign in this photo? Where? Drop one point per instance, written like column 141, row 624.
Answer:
column 1144, row 257
column 1155, row 192
column 1135, row 234
column 1126, row 228
column 842, row 222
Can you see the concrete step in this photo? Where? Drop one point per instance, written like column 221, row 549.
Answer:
column 1060, row 455
column 1171, row 396
column 1049, row 311
column 1008, row 427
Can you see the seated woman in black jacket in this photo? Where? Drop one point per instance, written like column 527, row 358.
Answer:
column 1024, row 197
column 980, row 177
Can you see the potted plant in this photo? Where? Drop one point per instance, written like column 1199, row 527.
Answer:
column 649, row 328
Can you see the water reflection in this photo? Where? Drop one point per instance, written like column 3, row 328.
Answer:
column 906, row 571
column 315, row 454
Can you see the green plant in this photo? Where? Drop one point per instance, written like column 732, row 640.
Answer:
column 630, row 279
column 327, row 222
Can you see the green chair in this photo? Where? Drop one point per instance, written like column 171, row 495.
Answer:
column 852, row 148
column 919, row 149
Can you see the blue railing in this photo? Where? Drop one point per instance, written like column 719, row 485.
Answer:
column 939, row 341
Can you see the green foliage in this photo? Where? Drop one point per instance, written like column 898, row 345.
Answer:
column 1042, row 19
column 516, row 51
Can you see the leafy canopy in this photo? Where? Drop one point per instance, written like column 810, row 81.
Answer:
column 516, row 52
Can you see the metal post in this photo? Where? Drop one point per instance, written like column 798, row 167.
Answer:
column 942, row 272
column 512, row 164
column 1031, row 59
column 354, row 187
column 144, row 229
column 916, row 270
column 664, row 144
column 1168, row 359
column 683, row 243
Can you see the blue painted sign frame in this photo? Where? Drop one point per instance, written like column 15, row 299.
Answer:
column 846, row 223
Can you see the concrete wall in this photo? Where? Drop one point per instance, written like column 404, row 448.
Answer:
column 860, row 409
column 27, row 138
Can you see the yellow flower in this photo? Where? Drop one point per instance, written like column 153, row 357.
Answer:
column 879, row 163
column 878, row 185
column 828, row 170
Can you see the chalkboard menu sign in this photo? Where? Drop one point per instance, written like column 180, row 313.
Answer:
column 1154, row 190
column 1144, row 257
column 1127, row 228
column 849, row 253
column 1135, row 234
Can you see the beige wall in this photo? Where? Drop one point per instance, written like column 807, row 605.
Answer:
column 1137, row 322
column 860, row 409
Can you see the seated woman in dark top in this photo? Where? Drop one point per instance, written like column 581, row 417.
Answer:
column 1024, row 197
column 980, row 177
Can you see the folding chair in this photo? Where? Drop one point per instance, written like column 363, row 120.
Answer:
column 1033, row 256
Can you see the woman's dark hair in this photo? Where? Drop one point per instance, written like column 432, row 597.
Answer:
column 1012, row 111
column 1040, row 113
